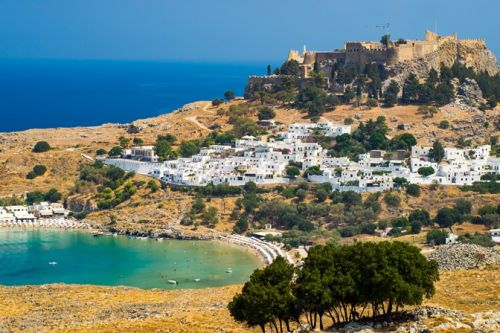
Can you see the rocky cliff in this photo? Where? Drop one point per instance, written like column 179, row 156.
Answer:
column 471, row 53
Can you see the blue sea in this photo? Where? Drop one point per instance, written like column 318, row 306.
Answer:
column 67, row 93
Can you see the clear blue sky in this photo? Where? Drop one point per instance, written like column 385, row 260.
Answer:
column 222, row 30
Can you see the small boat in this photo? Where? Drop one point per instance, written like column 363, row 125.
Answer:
column 229, row 270
column 143, row 238
column 172, row 281
column 196, row 280
column 53, row 263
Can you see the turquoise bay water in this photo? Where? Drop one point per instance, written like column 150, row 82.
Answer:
column 84, row 259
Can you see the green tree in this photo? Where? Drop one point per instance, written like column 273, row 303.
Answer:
column 301, row 194
column 53, row 195
column 210, row 216
column 269, row 70
column 266, row 113
column 411, row 88
column 163, row 150
column 420, row 215
column 241, row 225
column 436, row 236
column 41, row 147
column 217, row 101
column 229, row 95
column 100, row 152
column 124, row 142
column 437, row 151
column 153, row 186
column 198, row 206
column 392, row 199
column 391, row 94
column 425, row 171
column 446, row 217
column 413, row 190
column 115, row 151
column 267, row 298
column 463, row 207
column 39, row 169
column 138, row 141
column 189, row 148
column 385, row 39
column 292, row 171
column 290, row 68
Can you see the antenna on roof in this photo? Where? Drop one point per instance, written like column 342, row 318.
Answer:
column 386, row 27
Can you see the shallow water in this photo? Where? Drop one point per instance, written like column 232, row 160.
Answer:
column 26, row 257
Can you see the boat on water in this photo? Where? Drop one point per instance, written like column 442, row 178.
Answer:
column 172, row 281
column 97, row 233
column 53, row 263
column 196, row 280
column 229, row 270
column 143, row 238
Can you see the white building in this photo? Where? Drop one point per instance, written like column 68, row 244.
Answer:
column 266, row 162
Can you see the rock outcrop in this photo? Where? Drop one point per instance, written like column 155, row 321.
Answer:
column 459, row 256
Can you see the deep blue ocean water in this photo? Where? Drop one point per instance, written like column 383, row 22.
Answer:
column 66, row 93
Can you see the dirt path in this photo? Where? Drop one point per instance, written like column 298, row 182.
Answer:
column 195, row 121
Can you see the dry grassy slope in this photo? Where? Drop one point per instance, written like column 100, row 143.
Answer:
column 68, row 308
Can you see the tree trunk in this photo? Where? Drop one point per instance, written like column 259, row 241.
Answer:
column 321, row 321
column 281, row 326
column 275, row 326
column 263, row 328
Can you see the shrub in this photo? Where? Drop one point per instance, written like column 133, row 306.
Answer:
column 446, row 217
column 425, row 171
column 413, row 190
column 420, row 215
column 348, row 121
column 216, row 102
column 39, row 169
column 392, row 199
column 100, row 152
column 478, row 239
column 292, row 171
column 266, row 113
column 31, row 175
column 444, row 124
column 41, row 146
column 436, row 236
column 115, row 151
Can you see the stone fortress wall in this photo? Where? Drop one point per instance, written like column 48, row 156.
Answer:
column 362, row 53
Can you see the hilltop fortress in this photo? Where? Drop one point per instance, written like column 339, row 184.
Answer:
column 399, row 57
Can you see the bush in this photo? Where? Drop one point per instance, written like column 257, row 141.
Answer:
column 41, row 146
column 216, row 102
column 416, row 227
column 348, row 121
column 100, row 152
column 266, row 113
column 425, row 171
column 446, row 217
column 436, row 236
column 115, row 151
column 420, row 215
column 292, row 171
column 413, row 190
column 462, row 206
column 31, row 175
column 392, row 199
column 444, row 124
column 478, row 239
column 39, row 169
